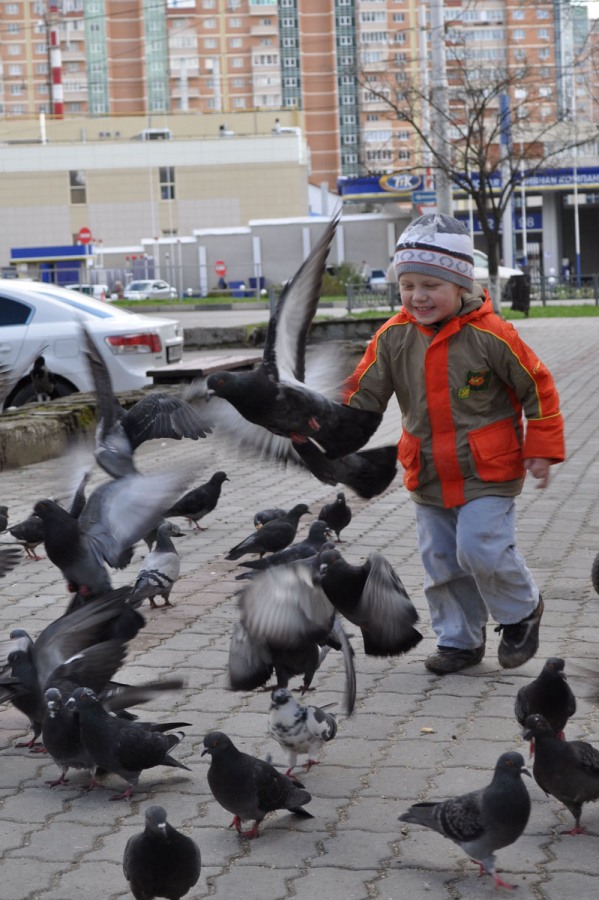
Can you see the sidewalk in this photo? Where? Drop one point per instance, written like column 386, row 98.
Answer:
column 63, row 843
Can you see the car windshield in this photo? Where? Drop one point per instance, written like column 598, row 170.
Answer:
column 139, row 286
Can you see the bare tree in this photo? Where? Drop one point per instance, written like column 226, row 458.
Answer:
column 500, row 127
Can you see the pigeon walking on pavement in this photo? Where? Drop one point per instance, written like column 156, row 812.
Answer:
column 200, row 501
column 299, row 729
column 568, row 770
column 337, row 514
column 30, row 534
column 273, row 537
column 161, row 861
column 119, row 746
column 373, row 597
column 159, row 571
column 276, row 396
column 318, row 535
column 549, row 695
column 249, row 787
column 485, row 820
column 119, row 432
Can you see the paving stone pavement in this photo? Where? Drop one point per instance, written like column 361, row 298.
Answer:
column 63, row 843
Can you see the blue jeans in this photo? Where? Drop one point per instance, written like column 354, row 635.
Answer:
column 473, row 569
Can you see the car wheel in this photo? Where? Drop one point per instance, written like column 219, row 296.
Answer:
column 26, row 394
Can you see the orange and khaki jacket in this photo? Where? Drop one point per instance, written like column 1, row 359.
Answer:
column 461, row 390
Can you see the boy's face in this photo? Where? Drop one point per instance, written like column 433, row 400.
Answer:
column 428, row 298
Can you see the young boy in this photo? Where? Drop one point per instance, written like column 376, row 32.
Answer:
column 463, row 377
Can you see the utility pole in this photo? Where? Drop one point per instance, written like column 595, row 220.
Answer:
column 440, row 108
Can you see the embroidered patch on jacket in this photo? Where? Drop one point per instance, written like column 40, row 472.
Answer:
column 475, row 381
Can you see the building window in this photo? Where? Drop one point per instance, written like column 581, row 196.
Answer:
column 519, row 34
column 13, row 28
column 14, row 49
column 16, row 90
column 167, row 182
column 15, row 69
column 235, row 42
column 403, row 155
column 543, row 34
column 77, row 186
column 209, row 23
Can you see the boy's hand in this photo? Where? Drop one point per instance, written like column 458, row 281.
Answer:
column 539, row 469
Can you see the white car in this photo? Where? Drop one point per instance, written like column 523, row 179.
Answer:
column 99, row 291
column 38, row 319
column 378, row 281
column 149, row 289
column 481, row 270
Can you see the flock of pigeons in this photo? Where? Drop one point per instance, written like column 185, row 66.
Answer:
column 293, row 599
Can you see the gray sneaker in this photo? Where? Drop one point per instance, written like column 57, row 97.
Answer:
column 520, row 642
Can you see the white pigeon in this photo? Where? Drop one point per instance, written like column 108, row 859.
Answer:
column 299, row 729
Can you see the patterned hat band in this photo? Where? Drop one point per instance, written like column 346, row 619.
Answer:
column 427, row 261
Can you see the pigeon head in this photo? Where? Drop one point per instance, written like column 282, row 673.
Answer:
column 219, row 477
column 554, row 664
column 300, row 509
column 319, row 530
column 340, row 497
column 512, row 763
column 156, row 820
column 216, row 742
column 221, row 383
column 535, row 726
column 53, row 701
column 80, row 698
column 327, row 559
column 279, row 697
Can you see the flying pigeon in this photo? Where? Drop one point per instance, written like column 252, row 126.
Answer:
column 299, row 729
column 286, row 625
column 249, row 787
column 337, row 514
column 568, row 770
column 200, row 501
column 273, row 537
column 482, row 821
column 119, row 746
column 367, row 472
column 161, row 861
column 371, row 596
column 549, row 695
column 119, row 433
column 117, row 514
column 317, row 537
column 276, row 395
column 160, row 569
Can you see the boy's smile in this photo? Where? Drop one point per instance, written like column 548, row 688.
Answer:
column 429, row 299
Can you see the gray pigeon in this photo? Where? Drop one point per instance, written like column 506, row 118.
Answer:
column 485, row 820
column 337, row 515
column 119, row 433
column 249, row 787
column 116, row 745
column 568, row 770
column 161, row 861
column 273, row 537
column 159, row 571
column 199, row 501
column 299, row 729
column 549, row 695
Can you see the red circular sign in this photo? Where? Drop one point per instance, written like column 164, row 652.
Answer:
column 220, row 267
column 84, row 236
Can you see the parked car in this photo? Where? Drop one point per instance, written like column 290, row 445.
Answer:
column 99, row 291
column 378, row 281
column 481, row 270
column 149, row 289
column 42, row 319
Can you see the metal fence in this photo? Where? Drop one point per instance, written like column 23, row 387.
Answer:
column 384, row 297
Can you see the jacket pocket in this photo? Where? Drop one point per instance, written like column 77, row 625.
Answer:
column 408, row 453
column 496, row 451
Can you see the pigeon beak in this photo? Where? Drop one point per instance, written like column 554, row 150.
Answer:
column 70, row 704
column 527, row 735
column 208, row 395
column 525, row 771
column 204, row 751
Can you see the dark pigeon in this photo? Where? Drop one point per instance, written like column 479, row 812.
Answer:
column 119, row 433
column 3, row 518
column 568, row 770
column 161, row 861
column 200, row 501
column 549, row 695
column 273, row 537
column 160, row 570
column 249, row 787
column 299, row 729
column 286, row 625
column 367, row 472
column 117, row 515
column 42, row 380
column 30, row 534
column 482, row 821
column 337, row 514
column 276, row 396
column 318, row 535
column 122, row 747
column 9, row 558
column 373, row 597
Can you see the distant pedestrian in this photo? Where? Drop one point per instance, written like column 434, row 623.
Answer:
column 463, row 377
column 365, row 273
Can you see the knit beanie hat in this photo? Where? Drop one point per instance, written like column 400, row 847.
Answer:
column 437, row 245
